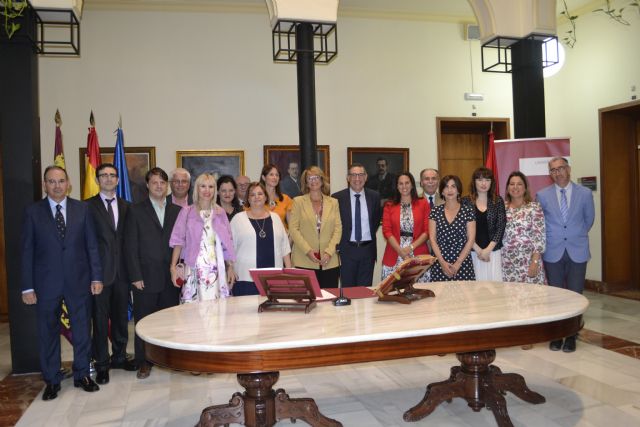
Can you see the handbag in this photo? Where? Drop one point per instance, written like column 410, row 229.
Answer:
column 181, row 274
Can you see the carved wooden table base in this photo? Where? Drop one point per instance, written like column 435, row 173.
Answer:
column 480, row 384
column 260, row 406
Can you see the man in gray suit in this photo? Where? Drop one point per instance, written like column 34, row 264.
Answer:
column 569, row 214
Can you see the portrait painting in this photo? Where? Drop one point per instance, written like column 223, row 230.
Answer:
column 139, row 161
column 215, row 162
column 283, row 155
column 382, row 165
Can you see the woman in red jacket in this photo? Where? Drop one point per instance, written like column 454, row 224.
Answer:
column 405, row 225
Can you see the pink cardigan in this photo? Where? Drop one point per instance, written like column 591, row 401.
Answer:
column 187, row 232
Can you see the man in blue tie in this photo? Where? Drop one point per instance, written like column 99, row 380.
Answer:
column 360, row 213
column 569, row 213
column 60, row 260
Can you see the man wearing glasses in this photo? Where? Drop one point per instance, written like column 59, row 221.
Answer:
column 569, row 213
column 109, row 214
column 360, row 214
column 180, row 182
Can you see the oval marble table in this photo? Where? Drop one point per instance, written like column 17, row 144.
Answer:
column 470, row 319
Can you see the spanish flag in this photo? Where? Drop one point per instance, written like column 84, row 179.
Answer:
column 58, row 151
column 90, row 187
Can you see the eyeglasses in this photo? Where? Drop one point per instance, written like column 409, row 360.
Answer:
column 357, row 175
column 313, row 178
column 180, row 181
column 108, row 175
column 557, row 170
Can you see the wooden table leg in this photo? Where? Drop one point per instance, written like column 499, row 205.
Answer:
column 480, row 384
column 260, row 406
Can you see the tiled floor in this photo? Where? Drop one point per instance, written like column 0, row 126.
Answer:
column 599, row 385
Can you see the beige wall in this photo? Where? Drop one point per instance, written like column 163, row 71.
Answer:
column 599, row 72
column 207, row 81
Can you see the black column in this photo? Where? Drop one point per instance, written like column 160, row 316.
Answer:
column 306, row 95
column 528, row 89
column 20, row 139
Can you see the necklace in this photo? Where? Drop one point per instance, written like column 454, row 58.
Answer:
column 262, row 234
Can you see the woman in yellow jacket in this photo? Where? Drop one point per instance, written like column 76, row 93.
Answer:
column 315, row 228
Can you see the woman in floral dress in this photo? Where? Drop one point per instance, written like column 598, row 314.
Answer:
column 524, row 237
column 201, row 237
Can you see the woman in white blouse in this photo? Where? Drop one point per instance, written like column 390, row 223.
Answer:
column 259, row 239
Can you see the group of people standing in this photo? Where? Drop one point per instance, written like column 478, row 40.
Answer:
column 201, row 244
column 483, row 237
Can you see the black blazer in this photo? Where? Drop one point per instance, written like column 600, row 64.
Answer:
column 496, row 218
column 372, row 198
column 147, row 248
column 110, row 241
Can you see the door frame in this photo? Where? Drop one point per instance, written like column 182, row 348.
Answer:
column 501, row 129
column 628, row 134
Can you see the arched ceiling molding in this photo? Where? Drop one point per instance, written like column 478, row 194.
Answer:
column 514, row 18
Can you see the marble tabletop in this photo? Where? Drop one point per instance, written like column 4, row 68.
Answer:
column 234, row 324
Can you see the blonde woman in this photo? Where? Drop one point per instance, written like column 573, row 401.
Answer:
column 315, row 228
column 202, row 237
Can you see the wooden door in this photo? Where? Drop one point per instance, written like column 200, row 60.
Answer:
column 620, row 195
column 463, row 144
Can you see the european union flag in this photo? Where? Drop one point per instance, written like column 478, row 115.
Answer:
column 119, row 160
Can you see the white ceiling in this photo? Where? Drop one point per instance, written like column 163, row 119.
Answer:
column 447, row 10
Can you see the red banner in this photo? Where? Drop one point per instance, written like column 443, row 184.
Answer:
column 531, row 157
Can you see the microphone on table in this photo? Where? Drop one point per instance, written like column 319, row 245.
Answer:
column 341, row 300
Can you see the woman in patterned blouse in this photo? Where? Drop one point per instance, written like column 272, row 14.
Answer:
column 524, row 236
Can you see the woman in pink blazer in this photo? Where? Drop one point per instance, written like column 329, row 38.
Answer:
column 405, row 225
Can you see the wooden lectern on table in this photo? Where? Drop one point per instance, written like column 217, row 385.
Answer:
column 398, row 286
column 286, row 289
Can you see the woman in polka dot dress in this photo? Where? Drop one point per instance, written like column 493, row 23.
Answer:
column 452, row 231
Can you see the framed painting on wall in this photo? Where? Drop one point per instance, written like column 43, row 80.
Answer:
column 219, row 162
column 139, row 161
column 283, row 155
column 382, row 165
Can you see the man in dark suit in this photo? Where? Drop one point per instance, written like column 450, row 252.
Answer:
column 290, row 184
column 60, row 260
column 568, row 215
column 360, row 220
column 384, row 182
column 109, row 214
column 148, row 255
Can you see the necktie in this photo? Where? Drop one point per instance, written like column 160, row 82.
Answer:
column 60, row 224
column 358, row 219
column 112, row 217
column 431, row 202
column 564, row 206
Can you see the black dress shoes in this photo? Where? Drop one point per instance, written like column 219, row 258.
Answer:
column 569, row 345
column 555, row 345
column 144, row 371
column 102, row 377
column 51, row 391
column 86, row 383
column 127, row 365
